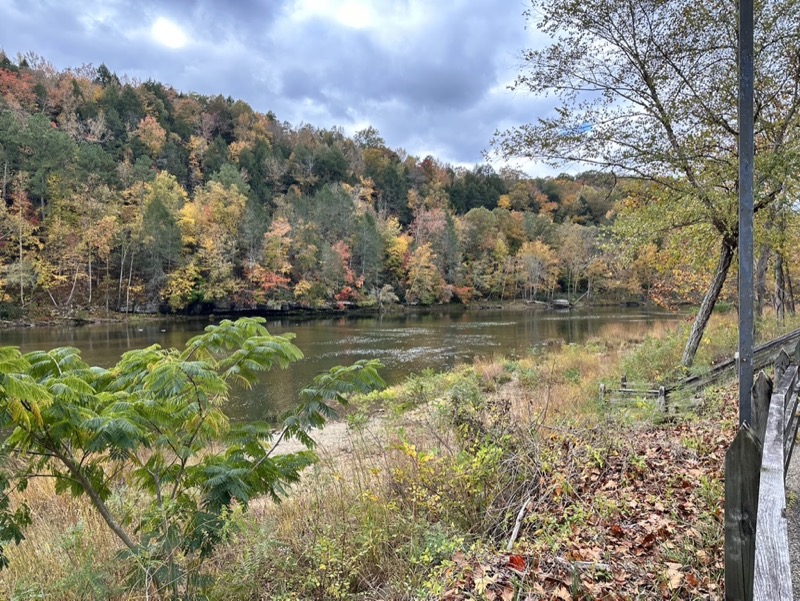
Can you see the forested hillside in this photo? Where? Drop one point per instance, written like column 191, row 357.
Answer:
column 124, row 195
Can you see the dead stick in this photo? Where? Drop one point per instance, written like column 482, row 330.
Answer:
column 518, row 523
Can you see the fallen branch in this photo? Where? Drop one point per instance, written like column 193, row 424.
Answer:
column 518, row 523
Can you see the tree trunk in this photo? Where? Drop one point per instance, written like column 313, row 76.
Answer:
column 789, row 289
column 74, row 283
column 128, row 290
column 780, row 288
column 707, row 306
column 121, row 277
column 761, row 279
column 21, row 276
column 108, row 280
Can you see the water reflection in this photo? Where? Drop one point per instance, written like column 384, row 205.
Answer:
column 405, row 343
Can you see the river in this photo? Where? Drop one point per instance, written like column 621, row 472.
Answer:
column 406, row 343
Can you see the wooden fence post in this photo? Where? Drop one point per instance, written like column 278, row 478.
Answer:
column 781, row 363
column 742, row 471
column 796, row 353
column 762, row 392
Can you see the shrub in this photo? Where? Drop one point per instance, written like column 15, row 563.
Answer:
column 157, row 420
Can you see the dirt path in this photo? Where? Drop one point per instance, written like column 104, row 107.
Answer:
column 333, row 439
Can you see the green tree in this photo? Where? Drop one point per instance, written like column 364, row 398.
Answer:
column 368, row 248
column 649, row 88
column 160, row 237
column 158, row 416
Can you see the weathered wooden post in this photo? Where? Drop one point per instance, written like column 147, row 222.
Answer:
column 746, row 152
column 743, row 459
column 762, row 392
column 781, row 363
column 742, row 470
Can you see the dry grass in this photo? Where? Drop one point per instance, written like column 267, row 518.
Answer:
column 68, row 542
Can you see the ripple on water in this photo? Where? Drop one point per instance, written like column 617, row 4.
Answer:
column 484, row 324
column 404, row 332
column 349, row 352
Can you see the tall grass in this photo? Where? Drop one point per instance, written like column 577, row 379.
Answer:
column 657, row 359
column 68, row 553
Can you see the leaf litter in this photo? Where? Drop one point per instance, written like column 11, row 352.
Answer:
column 636, row 513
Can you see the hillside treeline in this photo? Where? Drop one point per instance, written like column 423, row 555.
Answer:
column 130, row 195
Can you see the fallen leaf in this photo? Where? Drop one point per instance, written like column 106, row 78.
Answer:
column 674, row 578
column 562, row 593
column 517, row 562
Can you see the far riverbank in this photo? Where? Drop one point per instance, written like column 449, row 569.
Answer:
column 81, row 317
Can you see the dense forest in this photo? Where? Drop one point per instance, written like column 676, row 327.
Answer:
column 132, row 196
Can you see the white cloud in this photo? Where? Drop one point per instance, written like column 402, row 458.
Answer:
column 167, row 33
column 430, row 76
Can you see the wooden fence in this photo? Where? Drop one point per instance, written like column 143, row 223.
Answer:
column 763, row 356
column 757, row 563
column 756, row 541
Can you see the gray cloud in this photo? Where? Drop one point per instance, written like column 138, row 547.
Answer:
column 429, row 76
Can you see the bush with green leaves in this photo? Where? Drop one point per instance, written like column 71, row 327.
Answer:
column 155, row 425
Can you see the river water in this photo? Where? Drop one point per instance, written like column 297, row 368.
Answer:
column 406, row 343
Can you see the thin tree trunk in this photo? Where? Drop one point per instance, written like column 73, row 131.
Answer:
column 761, row 279
column 108, row 279
column 789, row 288
column 21, row 276
column 90, row 279
column 128, row 290
column 707, row 306
column 79, row 475
column 780, row 288
column 74, row 283
column 121, row 278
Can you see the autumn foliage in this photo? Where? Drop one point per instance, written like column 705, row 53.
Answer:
column 142, row 197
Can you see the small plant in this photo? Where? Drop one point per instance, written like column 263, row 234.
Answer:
column 157, row 418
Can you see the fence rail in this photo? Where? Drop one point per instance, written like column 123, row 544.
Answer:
column 763, row 356
column 756, row 539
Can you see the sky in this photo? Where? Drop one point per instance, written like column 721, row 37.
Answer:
column 431, row 76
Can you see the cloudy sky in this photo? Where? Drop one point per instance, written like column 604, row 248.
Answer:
column 430, row 75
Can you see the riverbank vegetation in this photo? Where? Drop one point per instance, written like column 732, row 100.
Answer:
column 503, row 479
